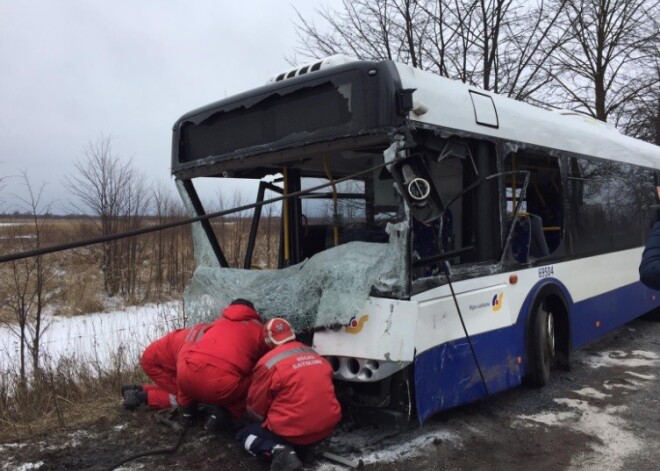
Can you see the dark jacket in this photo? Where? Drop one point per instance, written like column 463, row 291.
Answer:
column 649, row 269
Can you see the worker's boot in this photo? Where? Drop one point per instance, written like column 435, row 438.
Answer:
column 285, row 459
column 218, row 420
column 133, row 399
column 306, row 454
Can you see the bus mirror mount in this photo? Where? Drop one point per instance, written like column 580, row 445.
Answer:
column 413, row 181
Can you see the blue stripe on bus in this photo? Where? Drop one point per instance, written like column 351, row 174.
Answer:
column 612, row 310
column 446, row 376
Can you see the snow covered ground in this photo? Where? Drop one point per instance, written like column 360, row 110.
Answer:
column 604, row 414
column 96, row 338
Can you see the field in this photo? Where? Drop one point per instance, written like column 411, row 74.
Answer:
column 41, row 391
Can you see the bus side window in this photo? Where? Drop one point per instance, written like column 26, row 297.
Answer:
column 539, row 227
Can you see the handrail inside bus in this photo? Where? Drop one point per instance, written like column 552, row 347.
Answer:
column 335, row 228
column 442, row 256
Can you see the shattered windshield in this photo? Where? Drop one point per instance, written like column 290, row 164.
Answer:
column 313, row 258
column 324, row 290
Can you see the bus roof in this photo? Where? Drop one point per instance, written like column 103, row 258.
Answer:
column 458, row 108
column 455, row 105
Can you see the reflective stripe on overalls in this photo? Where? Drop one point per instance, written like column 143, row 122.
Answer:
column 289, row 353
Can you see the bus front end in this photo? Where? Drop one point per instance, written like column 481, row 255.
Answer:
column 327, row 243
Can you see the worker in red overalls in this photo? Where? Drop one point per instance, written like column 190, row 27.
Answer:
column 215, row 370
column 159, row 363
column 293, row 398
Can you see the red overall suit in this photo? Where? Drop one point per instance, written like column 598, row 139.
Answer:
column 292, row 392
column 159, row 363
column 216, row 369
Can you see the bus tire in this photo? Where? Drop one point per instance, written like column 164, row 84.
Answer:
column 542, row 354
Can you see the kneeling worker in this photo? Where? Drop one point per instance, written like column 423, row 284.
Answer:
column 293, row 398
column 216, row 369
column 159, row 363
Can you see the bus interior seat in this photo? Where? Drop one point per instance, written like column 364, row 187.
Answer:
column 314, row 239
column 521, row 239
column 538, row 246
column 528, row 241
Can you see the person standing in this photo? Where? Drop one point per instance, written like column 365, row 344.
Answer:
column 649, row 269
column 292, row 398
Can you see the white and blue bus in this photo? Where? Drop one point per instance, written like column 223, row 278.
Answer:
column 436, row 242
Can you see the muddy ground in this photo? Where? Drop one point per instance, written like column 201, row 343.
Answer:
column 603, row 414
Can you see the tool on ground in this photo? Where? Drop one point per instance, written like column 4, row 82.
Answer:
column 181, row 430
column 343, row 461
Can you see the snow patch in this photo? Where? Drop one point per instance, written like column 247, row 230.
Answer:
column 96, row 338
column 615, row 442
column 408, row 449
column 550, row 418
column 627, row 384
column 27, row 466
column 635, row 359
column 391, row 452
column 591, row 392
column 643, row 354
column 11, row 465
column 6, row 446
column 641, row 376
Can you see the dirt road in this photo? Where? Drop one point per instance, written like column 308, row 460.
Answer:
column 603, row 414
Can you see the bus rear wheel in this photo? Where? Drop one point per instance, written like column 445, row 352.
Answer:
column 542, row 353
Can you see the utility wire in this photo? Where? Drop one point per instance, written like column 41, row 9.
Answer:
column 160, row 451
column 183, row 222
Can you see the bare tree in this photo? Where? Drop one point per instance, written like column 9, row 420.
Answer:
column 133, row 249
column 110, row 188
column 239, row 229
column 643, row 118
column 169, row 251
column 610, row 61
column 499, row 45
column 23, row 282
column 161, row 201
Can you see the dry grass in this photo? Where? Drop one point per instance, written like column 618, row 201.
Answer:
column 78, row 391
column 64, row 397
column 75, row 281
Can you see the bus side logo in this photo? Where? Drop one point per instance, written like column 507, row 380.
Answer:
column 355, row 325
column 497, row 301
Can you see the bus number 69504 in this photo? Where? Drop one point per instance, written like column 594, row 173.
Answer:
column 545, row 272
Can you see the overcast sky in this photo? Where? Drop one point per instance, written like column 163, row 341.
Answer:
column 72, row 70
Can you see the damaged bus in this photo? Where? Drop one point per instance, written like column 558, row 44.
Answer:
column 437, row 243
